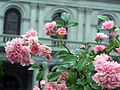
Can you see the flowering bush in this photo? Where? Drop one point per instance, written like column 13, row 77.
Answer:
column 88, row 68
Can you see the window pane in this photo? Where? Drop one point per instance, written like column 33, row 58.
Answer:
column 12, row 22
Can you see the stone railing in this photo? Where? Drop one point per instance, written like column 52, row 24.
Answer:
column 72, row 45
column 55, row 43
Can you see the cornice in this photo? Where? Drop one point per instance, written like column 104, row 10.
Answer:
column 93, row 4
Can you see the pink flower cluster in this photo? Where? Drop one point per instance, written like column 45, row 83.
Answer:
column 20, row 49
column 108, row 73
column 101, row 36
column 51, row 28
column 118, row 50
column 107, row 25
column 36, row 88
column 55, row 85
column 98, row 48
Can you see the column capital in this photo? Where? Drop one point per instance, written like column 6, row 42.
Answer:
column 33, row 5
column 88, row 10
column 80, row 9
column 42, row 6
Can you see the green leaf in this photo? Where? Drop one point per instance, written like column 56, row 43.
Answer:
column 59, row 23
column 55, row 67
column 105, row 18
column 44, row 65
column 73, row 87
column 70, row 59
column 52, row 76
column 81, row 82
column 65, row 16
column 34, row 67
column 39, row 75
column 61, row 53
column 61, row 68
column 81, row 52
column 117, row 29
column 72, row 77
column 91, row 67
column 81, row 65
column 87, row 88
column 89, row 79
column 98, row 28
column 72, row 24
column 95, row 86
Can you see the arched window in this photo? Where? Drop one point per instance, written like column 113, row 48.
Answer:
column 105, row 31
column 12, row 21
column 57, row 16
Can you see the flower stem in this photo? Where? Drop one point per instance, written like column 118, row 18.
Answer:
column 63, row 44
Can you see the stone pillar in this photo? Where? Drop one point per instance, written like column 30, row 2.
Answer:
column 33, row 15
column 1, row 24
column 25, row 25
column 80, row 31
column 34, row 82
column 88, row 31
column 41, row 32
column 45, row 74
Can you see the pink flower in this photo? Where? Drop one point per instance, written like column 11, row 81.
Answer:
column 109, row 75
column 110, row 58
column 101, row 36
column 36, row 88
column 45, row 50
column 118, row 50
column 25, row 52
column 35, row 49
column 42, row 83
column 50, row 32
column 48, row 56
column 26, row 57
column 82, row 46
column 31, row 32
column 17, row 43
column 61, row 31
column 108, row 25
column 51, row 86
column 14, row 56
column 63, row 76
column 62, row 86
column 100, row 60
column 50, row 26
column 112, row 34
column 26, row 62
column 98, row 48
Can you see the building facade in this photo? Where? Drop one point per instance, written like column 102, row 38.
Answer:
column 17, row 16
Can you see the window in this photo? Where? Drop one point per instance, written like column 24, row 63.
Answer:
column 12, row 22
column 105, row 31
column 57, row 16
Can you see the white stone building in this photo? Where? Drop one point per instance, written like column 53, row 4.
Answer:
column 17, row 16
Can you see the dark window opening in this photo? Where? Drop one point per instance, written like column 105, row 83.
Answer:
column 100, row 22
column 57, row 16
column 12, row 22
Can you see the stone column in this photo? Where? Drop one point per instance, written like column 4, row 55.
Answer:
column 33, row 15
column 80, row 31
column 34, row 82
column 45, row 74
column 1, row 24
column 88, row 31
column 41, row 32
column 25, row 25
